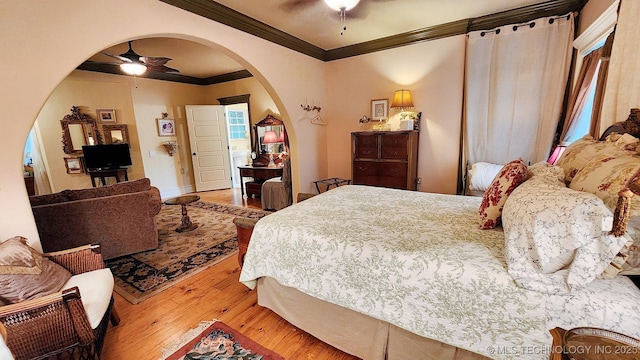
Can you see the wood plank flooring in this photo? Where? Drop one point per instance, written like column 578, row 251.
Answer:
column 146, row 328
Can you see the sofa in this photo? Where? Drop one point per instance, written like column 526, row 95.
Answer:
column 119, row 217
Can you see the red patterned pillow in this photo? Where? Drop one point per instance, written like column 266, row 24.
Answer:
column 511, row 175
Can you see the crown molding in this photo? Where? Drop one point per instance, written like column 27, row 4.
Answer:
column 115, row 69
column 225, row 15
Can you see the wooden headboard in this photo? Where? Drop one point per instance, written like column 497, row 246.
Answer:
column 629, row 126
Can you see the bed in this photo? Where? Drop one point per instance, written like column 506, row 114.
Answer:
column 392, row 274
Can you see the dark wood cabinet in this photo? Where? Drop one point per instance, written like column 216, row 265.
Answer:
column 385, row 158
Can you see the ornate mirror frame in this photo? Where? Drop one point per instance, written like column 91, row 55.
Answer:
column 89, row 127
column 263, row 157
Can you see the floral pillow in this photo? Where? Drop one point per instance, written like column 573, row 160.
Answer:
column 511, row 175
column 557, row 239
column 580, row 152
column 605, row 175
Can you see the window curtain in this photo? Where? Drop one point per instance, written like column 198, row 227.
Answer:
column 516, row 77
column 605, row 59
column 579, row 96
column 623, row 89
column 40, row 177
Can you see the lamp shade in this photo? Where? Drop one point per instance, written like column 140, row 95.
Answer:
column 269, row 137
column 402, row 100
column 134, row 68
column 281, row 138
column 339, row 5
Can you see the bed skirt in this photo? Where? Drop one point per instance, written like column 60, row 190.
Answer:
column 350, row 331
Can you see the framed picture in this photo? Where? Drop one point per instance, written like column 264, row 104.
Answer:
column 379, row 109
column 73, row 165
column 166, row 127
column 116, row 134
column 106, row 116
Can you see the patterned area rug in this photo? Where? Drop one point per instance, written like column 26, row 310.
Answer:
column 214, row 340
column 179, row 255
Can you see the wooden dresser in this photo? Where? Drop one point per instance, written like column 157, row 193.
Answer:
column 385, row 158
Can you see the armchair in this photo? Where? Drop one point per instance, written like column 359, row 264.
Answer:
column 64, row 324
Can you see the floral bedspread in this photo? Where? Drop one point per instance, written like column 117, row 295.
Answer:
column 419, row 261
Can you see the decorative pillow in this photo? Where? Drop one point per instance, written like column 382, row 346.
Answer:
column 631, row 265
column 511, row 175
column 582, row 151
column 605, row 176
column 482, row 174
column 17, row 287
column 546, row 172
column 16, row 257
column 557, row 239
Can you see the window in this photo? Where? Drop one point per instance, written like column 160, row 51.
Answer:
column 237, row 125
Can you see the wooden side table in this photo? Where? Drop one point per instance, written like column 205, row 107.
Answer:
column 185, row 224
column 105, row 173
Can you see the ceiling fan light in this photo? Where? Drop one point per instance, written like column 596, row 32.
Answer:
column 339, row 5
column 133, row 68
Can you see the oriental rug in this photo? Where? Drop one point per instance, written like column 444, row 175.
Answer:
column 214, row 340
column 179, row 256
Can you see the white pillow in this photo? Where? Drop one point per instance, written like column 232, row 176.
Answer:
column 482, row 174
column 556, row 238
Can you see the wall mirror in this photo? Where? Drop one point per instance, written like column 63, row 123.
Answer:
column 78, row 129
column 116, row 134
column 270, row 141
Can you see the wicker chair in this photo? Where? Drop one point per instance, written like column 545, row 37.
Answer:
column 56, row 326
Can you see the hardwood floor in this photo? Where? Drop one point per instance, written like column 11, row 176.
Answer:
column 146, row 328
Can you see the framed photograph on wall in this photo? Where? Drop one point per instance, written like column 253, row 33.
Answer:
column 116, row 134
column 73, row 165
column 379, row 109
column 166, row 127
column 106, row 116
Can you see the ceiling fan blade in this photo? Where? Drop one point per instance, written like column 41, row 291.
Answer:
column 295, row 5
column 121, row 58
column 153, row 60
column 161, row 68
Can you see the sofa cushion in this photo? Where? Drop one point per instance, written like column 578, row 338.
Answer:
column 96, row 289
column 81, row 194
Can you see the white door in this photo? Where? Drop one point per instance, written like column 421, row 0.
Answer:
column 209, row 146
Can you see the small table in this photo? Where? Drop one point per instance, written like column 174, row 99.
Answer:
column 104, row 173
column 259, row 175
column 186, row 224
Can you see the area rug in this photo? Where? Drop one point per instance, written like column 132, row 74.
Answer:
column 179, row 255
column 214, row 340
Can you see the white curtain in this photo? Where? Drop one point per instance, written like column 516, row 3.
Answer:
column 622, row 91
column 515, row 84
column 40, row 177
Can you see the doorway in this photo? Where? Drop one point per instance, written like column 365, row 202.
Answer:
column 239, row 131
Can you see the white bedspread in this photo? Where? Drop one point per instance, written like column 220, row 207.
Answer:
column 420, row 262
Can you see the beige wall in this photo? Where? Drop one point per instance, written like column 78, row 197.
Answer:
column 433, row 71
column 81, row 30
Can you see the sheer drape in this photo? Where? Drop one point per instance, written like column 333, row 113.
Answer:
column 40, row 177
column 515, row 84
column 623, row 89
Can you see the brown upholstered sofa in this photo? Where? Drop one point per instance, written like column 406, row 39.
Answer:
column 119, row 217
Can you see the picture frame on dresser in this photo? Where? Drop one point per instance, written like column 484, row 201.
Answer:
column 379, row 109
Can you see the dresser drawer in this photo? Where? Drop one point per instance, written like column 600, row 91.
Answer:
column 395, row 140
column 365, row 168
column 393, row 169
column 393, row 182
column 366, row 140
column 394, row 153
column 365, row 180
column 366, row 152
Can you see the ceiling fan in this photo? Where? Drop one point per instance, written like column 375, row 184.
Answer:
column 343, row 8
column 135, row 64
